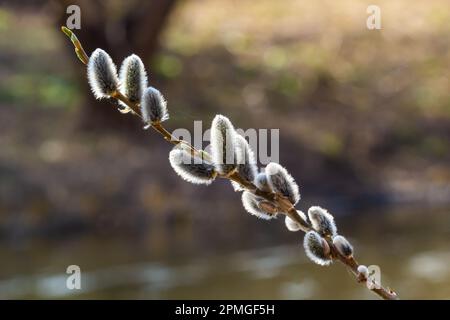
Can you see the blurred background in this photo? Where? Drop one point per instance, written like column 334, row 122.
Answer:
column 364, row 119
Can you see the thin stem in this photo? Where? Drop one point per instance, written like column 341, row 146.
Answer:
column 81, row 54
column 353, row 265
column 157, row 126
column 283, row 204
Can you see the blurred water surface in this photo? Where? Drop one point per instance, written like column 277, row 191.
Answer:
column 413, row 261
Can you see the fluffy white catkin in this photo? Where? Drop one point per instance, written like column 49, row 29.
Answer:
column 133, row 78
column 102, row 74
column 282, row 182
column 343, row 246
column 293, row 225
column 316, row 248
column 223, row 144
column 153, row 106
column 322, row 221
column 194, row 170
column 246, row 167
column 251, row 204
column 261, row 182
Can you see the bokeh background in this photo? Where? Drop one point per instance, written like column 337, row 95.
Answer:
column 364, row 119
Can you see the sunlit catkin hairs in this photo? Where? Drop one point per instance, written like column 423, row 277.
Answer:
column 223, row 145
column 282, row 182
column 252, row 203
column 186, row 166
column 246, row 162
column 261, row 182
column 293, row 225
column 102, row 74
column 322, row 221
column 266, row 194
column 246, row 167
column 343, row 246
column 316, row 248
column 153, row 106
column 133, row 78
column 363, row 272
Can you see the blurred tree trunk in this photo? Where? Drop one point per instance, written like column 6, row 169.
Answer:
column 120, row 28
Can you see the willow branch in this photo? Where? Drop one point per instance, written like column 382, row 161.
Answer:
column 283, row 204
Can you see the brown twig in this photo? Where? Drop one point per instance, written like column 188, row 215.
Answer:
column 283, row 204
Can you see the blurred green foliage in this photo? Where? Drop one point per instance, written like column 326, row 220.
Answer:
column 167, row 66
column 34, row 73
column 39, row 90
